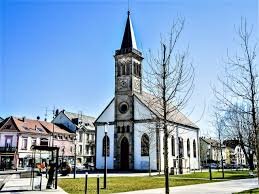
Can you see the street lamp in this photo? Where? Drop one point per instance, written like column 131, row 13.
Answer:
column 75, row 158
column 209, row 154
column 63, row 152
column 105, row 156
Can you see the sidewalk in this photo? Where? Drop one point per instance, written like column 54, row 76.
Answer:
column 24, row 186
column 226, row 187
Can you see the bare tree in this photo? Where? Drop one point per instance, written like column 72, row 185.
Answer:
column 240, row 86
column 170, row 81
column 219, row 125
column 238, row 125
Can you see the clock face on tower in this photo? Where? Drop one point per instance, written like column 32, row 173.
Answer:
column 123, row 83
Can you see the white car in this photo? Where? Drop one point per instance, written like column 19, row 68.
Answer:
column 79, row 167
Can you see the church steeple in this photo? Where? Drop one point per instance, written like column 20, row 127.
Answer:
column 128, row 81
column 128, row 63
column 128, row 40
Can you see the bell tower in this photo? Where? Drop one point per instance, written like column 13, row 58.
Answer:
column 128, row 80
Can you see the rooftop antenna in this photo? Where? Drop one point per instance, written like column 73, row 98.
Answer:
column 46, row 114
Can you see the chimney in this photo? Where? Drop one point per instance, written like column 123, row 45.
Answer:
column 57, row 112
column 23, row 119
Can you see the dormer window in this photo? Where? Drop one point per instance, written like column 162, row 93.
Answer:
column 39, row 130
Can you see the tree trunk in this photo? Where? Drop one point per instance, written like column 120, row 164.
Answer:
column 149, row 164
column 165, row 125
column 222, row 163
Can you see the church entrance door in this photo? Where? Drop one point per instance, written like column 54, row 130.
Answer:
column 124, row 160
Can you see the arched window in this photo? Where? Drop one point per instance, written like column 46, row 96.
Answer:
column 194, row 149
column 118, row 129
column 188, row 147
column 173, row 145
column 181, row 149
column 144, row 145
column 128, row 128
column 123, row 129
column 119, row 70
column 128, row 69
column 135, row 68
column 108, row 146
column 123, row 69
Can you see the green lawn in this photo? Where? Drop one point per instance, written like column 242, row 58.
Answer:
column 249, row 191
column 123, row 184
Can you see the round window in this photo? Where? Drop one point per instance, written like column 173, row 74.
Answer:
column 123, row 107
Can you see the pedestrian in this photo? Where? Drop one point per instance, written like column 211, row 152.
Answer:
column 51, row 172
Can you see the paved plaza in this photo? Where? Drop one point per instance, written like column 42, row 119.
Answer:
column 17, row 185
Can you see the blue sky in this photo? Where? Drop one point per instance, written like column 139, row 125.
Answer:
column 60, row 52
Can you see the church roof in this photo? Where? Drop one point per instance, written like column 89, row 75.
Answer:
column 154, row 104
column 129, row 40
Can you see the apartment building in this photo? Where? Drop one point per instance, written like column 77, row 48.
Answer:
column 17, row 135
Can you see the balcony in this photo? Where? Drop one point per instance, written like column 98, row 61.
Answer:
column 8, row 149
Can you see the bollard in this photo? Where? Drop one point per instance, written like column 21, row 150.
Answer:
column 40, row 181
column 98, row 184
column 86, row 177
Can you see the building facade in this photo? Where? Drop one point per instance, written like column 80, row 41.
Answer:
column 133, row 136
column 17, row 135
column 83, row 126
column 210, row 151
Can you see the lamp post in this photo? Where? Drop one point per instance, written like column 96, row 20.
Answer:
column 105, row 156
column 209, row 154
column 75, row 159
column 252, row 158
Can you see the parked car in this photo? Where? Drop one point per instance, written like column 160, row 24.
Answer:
column 213, row 165
column 89, row 166
column 79, row 167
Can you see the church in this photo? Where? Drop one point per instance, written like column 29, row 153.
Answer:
column 134, row 140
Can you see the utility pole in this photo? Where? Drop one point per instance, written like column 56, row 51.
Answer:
column 53, row 127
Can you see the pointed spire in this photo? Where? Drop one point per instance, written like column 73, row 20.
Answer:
column 129, row 40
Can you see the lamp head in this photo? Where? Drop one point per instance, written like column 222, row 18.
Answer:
column 105, row 127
